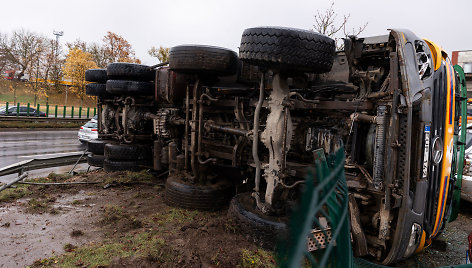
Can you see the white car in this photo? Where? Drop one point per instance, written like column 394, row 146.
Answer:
column 466, row 192
column 88, row 131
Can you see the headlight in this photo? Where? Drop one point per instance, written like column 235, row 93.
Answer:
column 414, row 241
column 437, row 150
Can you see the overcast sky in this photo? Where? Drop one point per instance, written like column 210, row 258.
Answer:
column 221, row 23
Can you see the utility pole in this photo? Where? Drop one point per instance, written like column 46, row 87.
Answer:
column 58, row 34
column 37, row 75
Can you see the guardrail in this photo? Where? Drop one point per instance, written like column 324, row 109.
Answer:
column 42, row 119
column 82, row 112
column 33, row 164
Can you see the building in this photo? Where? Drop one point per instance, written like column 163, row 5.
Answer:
column 464, row 59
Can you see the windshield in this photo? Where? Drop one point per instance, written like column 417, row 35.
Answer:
column 91, row 125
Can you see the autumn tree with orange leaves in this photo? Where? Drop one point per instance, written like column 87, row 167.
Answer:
column 77, row 62
column 117, row 49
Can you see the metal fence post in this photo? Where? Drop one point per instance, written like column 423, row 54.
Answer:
column 94, row 111
column 80, row 111
column 72, row 112
column 37, row 110
column 18, row 109
column 88, row 112
column 55, row 112
column 47, row 110
column 27, row 111
column 64, row 112
column 6, row 111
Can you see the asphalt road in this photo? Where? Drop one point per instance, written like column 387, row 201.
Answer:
column 16, row 146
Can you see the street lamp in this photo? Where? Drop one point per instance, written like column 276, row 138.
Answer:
column 58, row 34
column 38, row 53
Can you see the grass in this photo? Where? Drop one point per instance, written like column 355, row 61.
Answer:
column 257, row 258
column 117, row 216
column 173, row 216
column 11, row 194
column 112, row 214
column 25, row 94
column 23, row 190
column 146, row 245
column 129, row 177
column 42, row 204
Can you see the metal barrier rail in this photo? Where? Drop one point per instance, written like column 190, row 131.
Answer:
column 42, row 119
column 87, row 110
column 34, row 164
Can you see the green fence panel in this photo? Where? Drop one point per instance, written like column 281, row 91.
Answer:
column 27, row 109
column 55, row 112
column 18, row 109
column 64, row 112
column 88, row 112
column 326, row 195
column 72, row 112
column 47, row 110
column 80, row 111
column 94, row 111
column 37, row 110
column 6, row 111
column 456, row 196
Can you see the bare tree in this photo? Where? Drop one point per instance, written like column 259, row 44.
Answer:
column 3, row 59
column 98, row 54
column 50, row 68
column 22, row 49
column 327, row 23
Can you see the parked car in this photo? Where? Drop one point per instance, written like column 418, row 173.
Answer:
column 12, row 111
column 88, row 131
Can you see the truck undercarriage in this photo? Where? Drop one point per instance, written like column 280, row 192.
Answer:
column 253, row 124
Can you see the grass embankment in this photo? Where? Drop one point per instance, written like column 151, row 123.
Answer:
column 15, row 92
column 24, row 92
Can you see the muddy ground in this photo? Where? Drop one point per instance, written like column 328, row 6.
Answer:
column 127, row 224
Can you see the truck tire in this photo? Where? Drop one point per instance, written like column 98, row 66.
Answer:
column 96, row 89
column 179, row 193
column 287, row 49
column 96, row 75
column 130, row 71
column 203, row 60
column 96, row 146
column 113, row 165
column 261, row 229
column 95, row 160
column 128, row 152
column 126, row 87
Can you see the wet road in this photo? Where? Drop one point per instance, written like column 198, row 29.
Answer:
column 16, row 146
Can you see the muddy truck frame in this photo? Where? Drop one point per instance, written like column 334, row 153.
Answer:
column 244, row 129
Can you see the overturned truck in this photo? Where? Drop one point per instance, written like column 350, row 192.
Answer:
column 245, row 129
